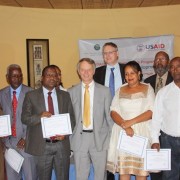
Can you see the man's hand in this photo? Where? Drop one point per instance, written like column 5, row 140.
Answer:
column 46, row 114
column 156, row 146
column 60, row 137
column 21, row 144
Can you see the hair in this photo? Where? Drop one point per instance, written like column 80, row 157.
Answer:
column 13, row 66
column 54, row 66
column 110, row 44
column 88, row 60
column 136, row 67
column 164, row 53
column 46, row 68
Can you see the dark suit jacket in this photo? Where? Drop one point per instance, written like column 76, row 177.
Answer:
column 33, row 106
column 100, row 74
column 152, row 80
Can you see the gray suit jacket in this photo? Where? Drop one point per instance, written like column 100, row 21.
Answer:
column 101, row 116
column 33, row 106
column 6, row 105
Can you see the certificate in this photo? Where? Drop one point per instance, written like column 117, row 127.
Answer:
column 56, row 125
column 155, row 160
column 135, row 145
column 5, row 125
column 14, row 159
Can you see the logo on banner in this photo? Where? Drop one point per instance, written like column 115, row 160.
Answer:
column 97, row 47
column 142, row 47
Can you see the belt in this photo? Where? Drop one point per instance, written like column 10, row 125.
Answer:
column 51, row 141
column 88, row 131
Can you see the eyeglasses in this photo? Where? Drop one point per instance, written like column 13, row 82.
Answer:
column 109, row 53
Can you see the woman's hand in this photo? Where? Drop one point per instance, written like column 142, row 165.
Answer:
column 129, row 131
column 127, row 124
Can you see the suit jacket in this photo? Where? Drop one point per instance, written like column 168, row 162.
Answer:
column 152, row 80
column 33, row 106
column 6, row 105
column 100, row 74
column 101, row 116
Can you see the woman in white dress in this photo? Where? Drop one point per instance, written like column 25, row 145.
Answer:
column 131, row 110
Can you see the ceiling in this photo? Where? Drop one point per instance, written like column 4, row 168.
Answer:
column 87, row 4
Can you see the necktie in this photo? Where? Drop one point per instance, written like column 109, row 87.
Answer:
column 50, row 103
column 14, row 106
column 159, row 85
column 111, row 82
column 86, row 114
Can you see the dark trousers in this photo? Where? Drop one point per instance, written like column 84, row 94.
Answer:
column 110, row 176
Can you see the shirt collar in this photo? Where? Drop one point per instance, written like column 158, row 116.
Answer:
column 115, row 66
column 46, row 90
column 18, row 90
column 90, row 85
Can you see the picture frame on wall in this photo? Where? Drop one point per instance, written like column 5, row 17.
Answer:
column 37, row 59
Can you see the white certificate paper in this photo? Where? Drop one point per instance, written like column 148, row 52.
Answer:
column 155, row 160
column 135, row 145
column 14, row 159
column 5, row 125
column 56, row 125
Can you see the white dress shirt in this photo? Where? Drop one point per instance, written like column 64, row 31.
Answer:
column 117, row 76
column 91, row 91
column 166, row 114
column 54, row 98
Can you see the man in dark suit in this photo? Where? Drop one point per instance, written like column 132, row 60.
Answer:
column 110, row 56
column 53, row 152
column 17, row 140
column 161, row 65
column 102, row 74
column 90, row 139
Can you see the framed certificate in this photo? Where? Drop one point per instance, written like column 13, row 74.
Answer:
column 5, row 126
column 56, row 125
column 157, row 161
column 135, row 145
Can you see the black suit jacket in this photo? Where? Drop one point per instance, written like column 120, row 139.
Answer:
column 33, row 106
column 100, row 74
column 152, row 80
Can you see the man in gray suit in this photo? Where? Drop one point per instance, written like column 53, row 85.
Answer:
column 53, row 152
column 90, row 139
column 16, row 141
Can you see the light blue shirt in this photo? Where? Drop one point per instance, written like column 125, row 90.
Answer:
column 117, row 76
column 18, row 90
column 54, row 98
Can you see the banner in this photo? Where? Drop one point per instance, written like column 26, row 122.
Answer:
column 142, row 50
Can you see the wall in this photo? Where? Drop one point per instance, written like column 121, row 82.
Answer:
column 64, row 28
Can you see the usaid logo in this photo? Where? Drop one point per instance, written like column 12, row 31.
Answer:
column 142, row 47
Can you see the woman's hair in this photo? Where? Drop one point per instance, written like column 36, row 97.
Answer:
column 136, row 67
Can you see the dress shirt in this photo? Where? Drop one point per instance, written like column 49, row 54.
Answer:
column 166, row 114
column 54, row 98
column 164, row 79
column 18, row 90
column 117, row 76
column 91, row 91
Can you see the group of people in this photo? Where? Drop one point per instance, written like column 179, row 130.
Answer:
column 109, row 99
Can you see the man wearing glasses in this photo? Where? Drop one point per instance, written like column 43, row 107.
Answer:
column 103, row 73
column 111, row 75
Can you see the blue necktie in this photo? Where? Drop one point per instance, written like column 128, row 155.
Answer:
column 111, row 82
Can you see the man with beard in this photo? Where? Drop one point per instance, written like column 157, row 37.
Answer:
column 166, row 120
column 162, row 76
column 157, row 81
